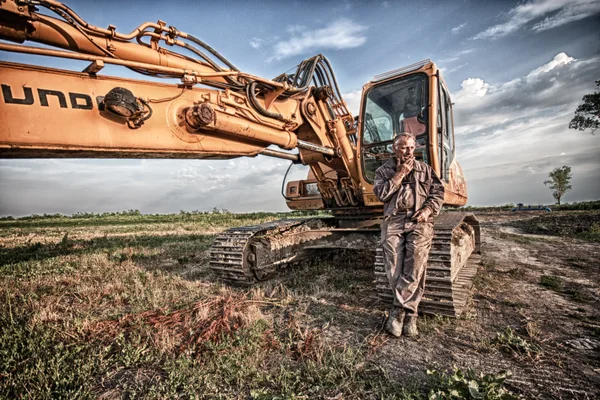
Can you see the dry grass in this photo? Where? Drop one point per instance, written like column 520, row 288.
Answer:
column 132, row 311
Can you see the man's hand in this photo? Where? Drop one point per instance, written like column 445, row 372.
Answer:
column 422, row 215
column 405, row 165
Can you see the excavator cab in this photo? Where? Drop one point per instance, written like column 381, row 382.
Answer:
column 415, row 100
column 390, row 108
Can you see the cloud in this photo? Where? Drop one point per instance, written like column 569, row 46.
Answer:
column 256, row 43
column 151, row 186
column 340, row 34
column 559, row 60
column 456, row 55
column 352, row 99
column 510, row 134
column 448, row 71
column 458, row 28
column 556, row 13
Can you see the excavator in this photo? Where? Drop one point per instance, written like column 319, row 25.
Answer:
column 206, row 108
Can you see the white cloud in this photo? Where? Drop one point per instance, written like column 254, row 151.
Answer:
column 471, row 88
column 151, row 186
column 511, row 134
column 340, row 34
column 559, row 60
column 294, row 29
column 556, row 13
column 456, row 55
column 458, row 28
column 448, row 71
column 256, row 43
column 575, row 11
column 352, row 99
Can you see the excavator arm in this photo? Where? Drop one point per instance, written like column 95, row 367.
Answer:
column 215, row 111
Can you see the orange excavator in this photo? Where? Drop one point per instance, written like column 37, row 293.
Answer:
column 215, row 111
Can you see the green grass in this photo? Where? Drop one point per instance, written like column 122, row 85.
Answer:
column 551, row 282
column 219, row 218
column 512, row 343
column 469, row 384
column 125, row 306
column 584, row 205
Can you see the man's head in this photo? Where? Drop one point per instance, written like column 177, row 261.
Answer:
column 404, row 146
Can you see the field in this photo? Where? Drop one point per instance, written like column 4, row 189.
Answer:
column 124, row 306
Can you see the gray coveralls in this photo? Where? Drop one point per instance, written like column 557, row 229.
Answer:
column 405, row 242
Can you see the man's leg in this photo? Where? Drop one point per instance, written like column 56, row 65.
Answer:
column 412, row 282
column 393, row 249
column 393, row 256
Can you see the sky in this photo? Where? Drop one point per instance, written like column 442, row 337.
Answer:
column 516, row 70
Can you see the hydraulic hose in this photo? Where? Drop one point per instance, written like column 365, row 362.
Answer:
column 254, row 102
column 211, row 51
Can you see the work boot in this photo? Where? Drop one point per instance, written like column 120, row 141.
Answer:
column 394, row 322
column 410, row 327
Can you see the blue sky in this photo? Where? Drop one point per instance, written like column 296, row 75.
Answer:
column 516, row 70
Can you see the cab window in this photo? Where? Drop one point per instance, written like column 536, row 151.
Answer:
column 445, row 131
column 391, row 108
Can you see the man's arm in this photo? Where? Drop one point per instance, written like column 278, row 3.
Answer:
column 435, row 199
column 384, row 188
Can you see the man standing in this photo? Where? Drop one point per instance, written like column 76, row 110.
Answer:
column 412, row 195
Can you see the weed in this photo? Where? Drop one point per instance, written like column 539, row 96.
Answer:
column 533, row 329
column 484, row 280
column 512, row 343
column 580, row 295
column 429, row 324
column 514, row 304
column 592, row 234
column 469, row 385
column 551, row 282
column 517, row 238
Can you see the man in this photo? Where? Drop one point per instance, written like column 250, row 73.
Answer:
column 412, row 195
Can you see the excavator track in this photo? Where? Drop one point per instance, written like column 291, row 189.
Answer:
column 452, row 264
column 248, row 254
column 245, row 255
column 230, row 251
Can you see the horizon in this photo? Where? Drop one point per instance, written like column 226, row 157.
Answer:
column 215, row 210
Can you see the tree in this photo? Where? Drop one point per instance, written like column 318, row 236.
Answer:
column 587, row 115
column 559, row 181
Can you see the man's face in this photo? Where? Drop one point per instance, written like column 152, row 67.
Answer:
column 404, row 148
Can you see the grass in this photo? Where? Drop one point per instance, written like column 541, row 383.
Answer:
column 584, row 205
column 592, row 234
column 58, row 341
column 124, row 306
column 573, row 224
column 91, row 311
column 551, row 282
column 512, row 343
column 578, row 293
column 469, row 384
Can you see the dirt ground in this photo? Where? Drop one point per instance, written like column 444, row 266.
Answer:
column 560, row 324
column 535, row 311
column 534, row 308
